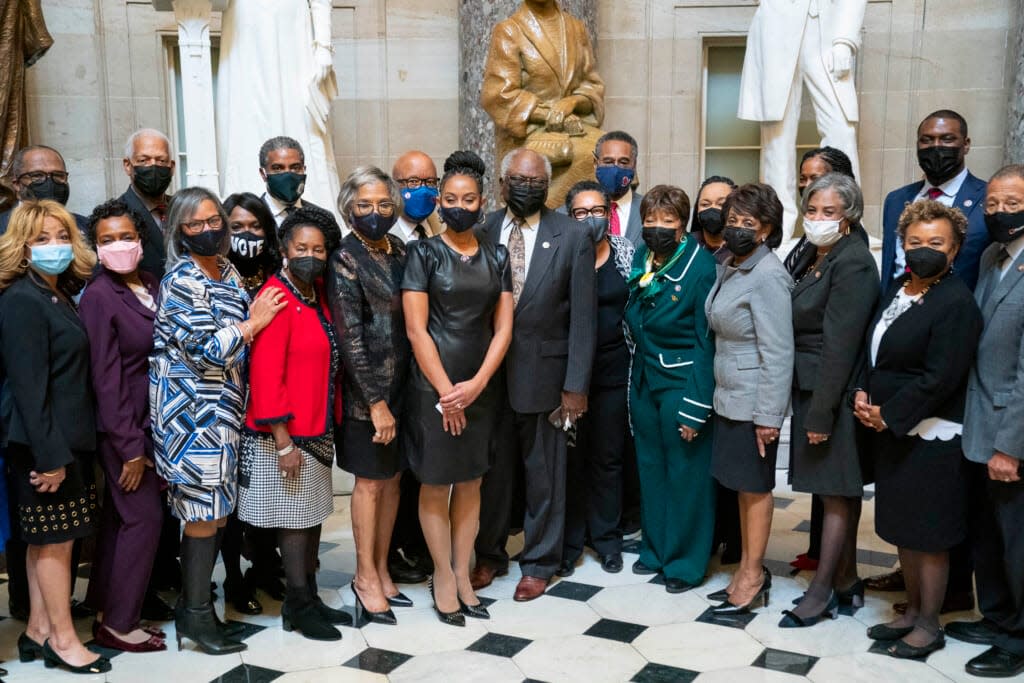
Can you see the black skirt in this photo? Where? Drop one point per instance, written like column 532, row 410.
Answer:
column 357, row 453
column 735, row 462
column 920, row 492
column 832, row 468
column 47, row 518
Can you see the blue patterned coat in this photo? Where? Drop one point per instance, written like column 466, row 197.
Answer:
column 197, row 388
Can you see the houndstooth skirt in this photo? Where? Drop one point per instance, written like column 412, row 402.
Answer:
column 268, row 501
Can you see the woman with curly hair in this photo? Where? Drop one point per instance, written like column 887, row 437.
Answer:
column 51, row 433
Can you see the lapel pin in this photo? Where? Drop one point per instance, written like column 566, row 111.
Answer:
column 675, row 298
column 546, row 245
column 679, row 288
column 968, row 202
column 817, row 273
column 1020, row 268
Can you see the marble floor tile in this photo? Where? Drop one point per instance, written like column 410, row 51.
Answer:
column 866, row 667
column 457, row 667
column 785, row 662
column 545, row 617
column 265, row 650
column 573, row 590
column 661, row 673
column 338, row 674
column 620, row 631
column 420, row 632
column 829, row 637
column 500, row 645
column 649, row 604
column 699, row 647
column 749, row 675
column 579, row 658
column 247, row 673
column 378, row 661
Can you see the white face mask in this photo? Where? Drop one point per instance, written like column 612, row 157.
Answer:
column 822, row 233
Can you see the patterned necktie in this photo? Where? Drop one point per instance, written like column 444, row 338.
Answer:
column 613, row 221
column 934, row 193
column 517, row 257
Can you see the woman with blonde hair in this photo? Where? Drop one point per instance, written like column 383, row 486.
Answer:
column 47, row 416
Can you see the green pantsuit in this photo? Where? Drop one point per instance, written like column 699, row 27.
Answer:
column 671, row 385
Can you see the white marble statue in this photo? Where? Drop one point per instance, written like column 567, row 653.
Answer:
column 276, row 77
column 793, row 44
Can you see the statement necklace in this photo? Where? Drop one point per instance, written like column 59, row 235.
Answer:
column 369, row 245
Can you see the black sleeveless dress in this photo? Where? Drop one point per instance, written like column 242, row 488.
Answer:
column 463, row 293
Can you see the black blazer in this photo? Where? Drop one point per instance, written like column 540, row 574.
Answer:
column 832, row 305
column 925, row 356
column 555, row 330
column 154, row 251
column 47, row 403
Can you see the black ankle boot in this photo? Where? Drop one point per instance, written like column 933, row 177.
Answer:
column 329, row 614
column 299, row 611
column 199, row 625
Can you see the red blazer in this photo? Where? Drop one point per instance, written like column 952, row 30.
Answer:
column 290, row 370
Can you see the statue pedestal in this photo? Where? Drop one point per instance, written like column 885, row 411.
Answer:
column 193, row 17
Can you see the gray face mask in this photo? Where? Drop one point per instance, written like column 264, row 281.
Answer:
column 597, row 227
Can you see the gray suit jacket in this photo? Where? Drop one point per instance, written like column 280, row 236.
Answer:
column 994, row 413
column 555, row 329
column 750, row 311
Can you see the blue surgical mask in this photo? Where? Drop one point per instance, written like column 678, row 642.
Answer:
column 419, row 203
column 615, row 180
column 51, row 259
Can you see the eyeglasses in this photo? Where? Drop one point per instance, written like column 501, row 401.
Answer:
column 195, row 227
column 523, row 181
column 385, row 208
column 40, row 176
column 414, row 183
column 1007, row 206
column 599, row 211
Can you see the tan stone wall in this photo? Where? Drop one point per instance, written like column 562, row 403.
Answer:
column 397, row 64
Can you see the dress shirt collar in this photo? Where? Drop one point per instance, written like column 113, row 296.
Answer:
column 277, row 207
column 950, row 188
column 624, row 201
column 405, row 229
column 532, row 222
column 1014, row 248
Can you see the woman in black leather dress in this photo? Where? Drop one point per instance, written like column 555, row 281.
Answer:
column 457, row 296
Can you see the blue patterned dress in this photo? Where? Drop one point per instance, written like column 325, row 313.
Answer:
column 197, row 388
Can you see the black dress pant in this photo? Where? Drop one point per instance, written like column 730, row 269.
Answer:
column 999, row 558
column 594, row 476
column 501, row 493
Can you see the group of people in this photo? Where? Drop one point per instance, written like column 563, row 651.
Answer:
column 484, row 372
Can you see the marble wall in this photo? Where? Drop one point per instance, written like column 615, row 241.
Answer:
column 111, row 71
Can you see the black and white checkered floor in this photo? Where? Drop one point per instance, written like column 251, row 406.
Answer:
column 590, row 627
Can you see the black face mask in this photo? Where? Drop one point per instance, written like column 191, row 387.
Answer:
column 286, row 187
column 740, row 240
column 306, row 269
column 457, row 218
column 1004, row 227
column 660, row 240
column 926, row 262
column 246, row 252
column 48, row 188
column 597, row 227
column 373, row 226
column 939, row 163
column 206, row 243
column 710, row 221
column 524, row 201
column 151, row 181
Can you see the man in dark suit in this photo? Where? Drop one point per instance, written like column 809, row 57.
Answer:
column 615, row 168
column 39, row 172
column 993, row 438
column 942, row 145
column 283, row 169
column 149, row 163
column 547, row 371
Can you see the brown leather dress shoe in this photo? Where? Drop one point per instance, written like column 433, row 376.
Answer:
column 887, row 583
column 530, row 588
column 483, row 576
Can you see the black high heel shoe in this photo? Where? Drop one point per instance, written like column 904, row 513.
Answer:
column 477, row 611
column 729, row 609
column 387, row 617
column 792, row 620
column 399, row 599
column 52, row 660
column 28, row 649
column 456, row 618
column 854, row 595
column 721, row 595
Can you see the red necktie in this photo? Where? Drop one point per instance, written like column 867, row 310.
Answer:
column 613, row 220
column 160, row 213
column 934, row 193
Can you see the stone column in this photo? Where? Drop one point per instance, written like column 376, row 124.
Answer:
column 1015, row 116
column 193, row 17
column 476, row 20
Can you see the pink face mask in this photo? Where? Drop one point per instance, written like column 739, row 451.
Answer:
column 121, row 256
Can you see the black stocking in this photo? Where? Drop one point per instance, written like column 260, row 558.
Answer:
column 231, row 551
column 933, row 575
column 846, row 571
column 835, row 523
column 294, row 553
column 911, row 564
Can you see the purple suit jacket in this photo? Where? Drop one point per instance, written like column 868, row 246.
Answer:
column 120, row 332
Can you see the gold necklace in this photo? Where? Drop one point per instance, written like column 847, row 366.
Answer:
column 923, row 291
column 370, row 245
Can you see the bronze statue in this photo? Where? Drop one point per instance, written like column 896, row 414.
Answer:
column 542, row 90
column 23, row 40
